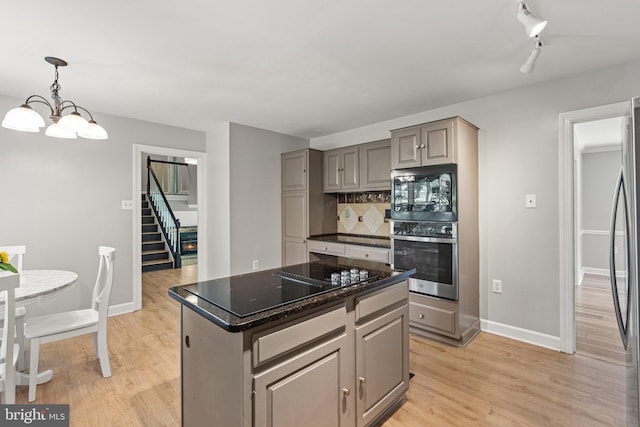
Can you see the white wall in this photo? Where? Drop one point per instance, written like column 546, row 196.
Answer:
column 255, row 195
column 599, row 176
column 518, row 144
column 62, row 198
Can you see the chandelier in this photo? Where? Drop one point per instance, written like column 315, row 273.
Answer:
column 26, row 119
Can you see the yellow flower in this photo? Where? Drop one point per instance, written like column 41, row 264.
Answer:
column 4, row 257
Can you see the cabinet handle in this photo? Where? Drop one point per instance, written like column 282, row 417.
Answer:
column 304, row 171
column 324, row 248
column 362, row 380
column 421, row 316
column 417, row 145
column 423, row 146
column 346, row 392
column 366, row 255
column 187, row 342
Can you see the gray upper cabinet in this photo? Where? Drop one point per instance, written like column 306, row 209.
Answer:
column 424, row 145
column 294, row 171
column 341, row 170
column 375, row 165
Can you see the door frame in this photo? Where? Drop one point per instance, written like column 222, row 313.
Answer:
column 138, row 150
column 567, row 223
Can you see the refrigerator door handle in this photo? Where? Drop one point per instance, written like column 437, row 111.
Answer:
column 622, row 324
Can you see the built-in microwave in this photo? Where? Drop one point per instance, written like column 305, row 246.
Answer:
column 424, row 194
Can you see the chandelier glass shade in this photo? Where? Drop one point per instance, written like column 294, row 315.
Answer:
column 68, row 126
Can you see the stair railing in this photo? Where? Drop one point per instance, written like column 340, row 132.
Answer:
column 168, row 222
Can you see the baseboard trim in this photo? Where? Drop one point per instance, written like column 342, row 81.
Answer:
column 115, row 310
column 520, row 334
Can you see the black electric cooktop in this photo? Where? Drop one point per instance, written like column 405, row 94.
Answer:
column 248, row 294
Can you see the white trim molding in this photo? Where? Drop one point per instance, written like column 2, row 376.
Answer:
column 520, row 334
column 116, row 310
column 138, row 150
column 567, row 225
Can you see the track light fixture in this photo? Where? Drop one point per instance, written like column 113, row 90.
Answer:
column 72, row 125
column 530, row 63
column 532, row 24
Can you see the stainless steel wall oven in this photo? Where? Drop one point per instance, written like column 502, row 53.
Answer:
column 432, row 249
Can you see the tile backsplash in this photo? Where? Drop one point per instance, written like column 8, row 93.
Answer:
column 363, row 213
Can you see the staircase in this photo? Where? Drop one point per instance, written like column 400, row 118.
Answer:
column 155, row 255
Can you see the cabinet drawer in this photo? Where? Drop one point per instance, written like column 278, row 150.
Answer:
column 438, row 319
column 269, row 345
column 368, row 253
column 382, row 299
column 326, row 247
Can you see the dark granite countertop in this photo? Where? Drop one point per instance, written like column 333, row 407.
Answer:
column 355, row 239
column 242, row 302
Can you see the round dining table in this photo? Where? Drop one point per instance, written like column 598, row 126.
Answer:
column 36, row 286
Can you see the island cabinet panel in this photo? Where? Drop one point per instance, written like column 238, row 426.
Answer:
column 305, row 390
column 212, row 378
column 382, row 363
column 274, row 344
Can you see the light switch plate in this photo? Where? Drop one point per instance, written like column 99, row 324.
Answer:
column 530, row 201
column 127, row 205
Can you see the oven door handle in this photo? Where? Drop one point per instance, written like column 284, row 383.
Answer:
column 425, row 239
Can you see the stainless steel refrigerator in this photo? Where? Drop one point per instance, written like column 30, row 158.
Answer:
column 623, row 267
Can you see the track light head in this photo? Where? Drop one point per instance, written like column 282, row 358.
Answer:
column 532, row 24
column 530, row 63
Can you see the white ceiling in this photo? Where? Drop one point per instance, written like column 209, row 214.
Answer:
column 307, row 68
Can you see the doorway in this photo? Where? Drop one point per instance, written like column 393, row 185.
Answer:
column 139, row 155
column 571, row 227
column 597, row 147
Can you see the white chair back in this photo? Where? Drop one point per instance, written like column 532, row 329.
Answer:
column 104, row 282
column 16, row 255
column 8, row 284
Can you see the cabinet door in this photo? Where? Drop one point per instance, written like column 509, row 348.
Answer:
column 382, row 363
column 294, row 252
column 282, row 392
column 294, row 227
column 332, row 173
column 350, row 169
column 294, row 171
column 438, row 143
column 375, row 166
column 405, row 148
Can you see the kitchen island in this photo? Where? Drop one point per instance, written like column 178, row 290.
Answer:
column 287, row 347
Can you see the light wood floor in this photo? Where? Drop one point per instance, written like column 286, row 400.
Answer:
column 596, row 327
column 493, row 382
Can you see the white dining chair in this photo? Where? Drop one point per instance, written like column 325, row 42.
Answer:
column 59, row 326
column 8, row 349
column 16, row 259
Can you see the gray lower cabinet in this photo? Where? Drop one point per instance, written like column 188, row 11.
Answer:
column 305, row 389
column 345, row 365
column 382, row 345
column 368, row 253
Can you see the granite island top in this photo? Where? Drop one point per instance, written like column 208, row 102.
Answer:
column 355, row 239
column 245, row 301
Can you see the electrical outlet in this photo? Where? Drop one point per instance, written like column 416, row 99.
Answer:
column 127, row 205
column 256, row 264
column 497, row 286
